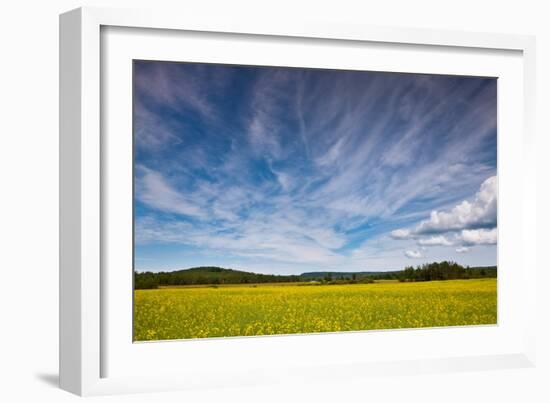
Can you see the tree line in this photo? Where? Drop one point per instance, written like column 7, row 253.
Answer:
column 440, row 271
column 445, row 270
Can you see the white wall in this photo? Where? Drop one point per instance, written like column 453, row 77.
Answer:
column 28, row 197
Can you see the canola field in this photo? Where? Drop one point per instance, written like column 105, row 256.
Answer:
column 252, row 310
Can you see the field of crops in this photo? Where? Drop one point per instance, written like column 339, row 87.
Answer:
column 180, row 313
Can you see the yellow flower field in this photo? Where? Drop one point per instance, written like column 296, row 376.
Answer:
column 249, row 310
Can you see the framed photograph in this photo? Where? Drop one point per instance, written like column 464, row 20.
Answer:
column 283, row 200
column 253, row 202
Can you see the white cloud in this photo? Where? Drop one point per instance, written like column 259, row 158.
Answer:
column 413, row 254
column 435, row 240
column 477, row 214
column 401, row 234
column 480, row 213
column 462, row 249
column 478, row 237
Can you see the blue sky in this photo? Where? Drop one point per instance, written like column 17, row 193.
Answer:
column 280, row 170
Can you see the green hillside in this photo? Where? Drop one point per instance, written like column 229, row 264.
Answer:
column 206, row 275
column 218, row 275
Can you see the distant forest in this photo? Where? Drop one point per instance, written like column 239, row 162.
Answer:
column 217, row 275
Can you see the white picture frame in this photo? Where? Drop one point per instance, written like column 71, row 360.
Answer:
column 86, row 345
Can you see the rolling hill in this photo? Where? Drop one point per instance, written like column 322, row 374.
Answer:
column 219, row 275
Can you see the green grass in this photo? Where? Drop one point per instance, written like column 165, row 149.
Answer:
column 179, row 313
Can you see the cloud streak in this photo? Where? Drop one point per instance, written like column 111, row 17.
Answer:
column 155, row 192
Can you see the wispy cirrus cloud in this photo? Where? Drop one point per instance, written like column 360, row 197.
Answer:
column 153, row 190
column 296, row 169
column 169, row 86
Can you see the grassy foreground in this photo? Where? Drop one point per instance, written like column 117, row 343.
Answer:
column 180, row 313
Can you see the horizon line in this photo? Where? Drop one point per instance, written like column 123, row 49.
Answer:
column 302, row 273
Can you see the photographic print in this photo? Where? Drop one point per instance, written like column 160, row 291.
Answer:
column 278, row 200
